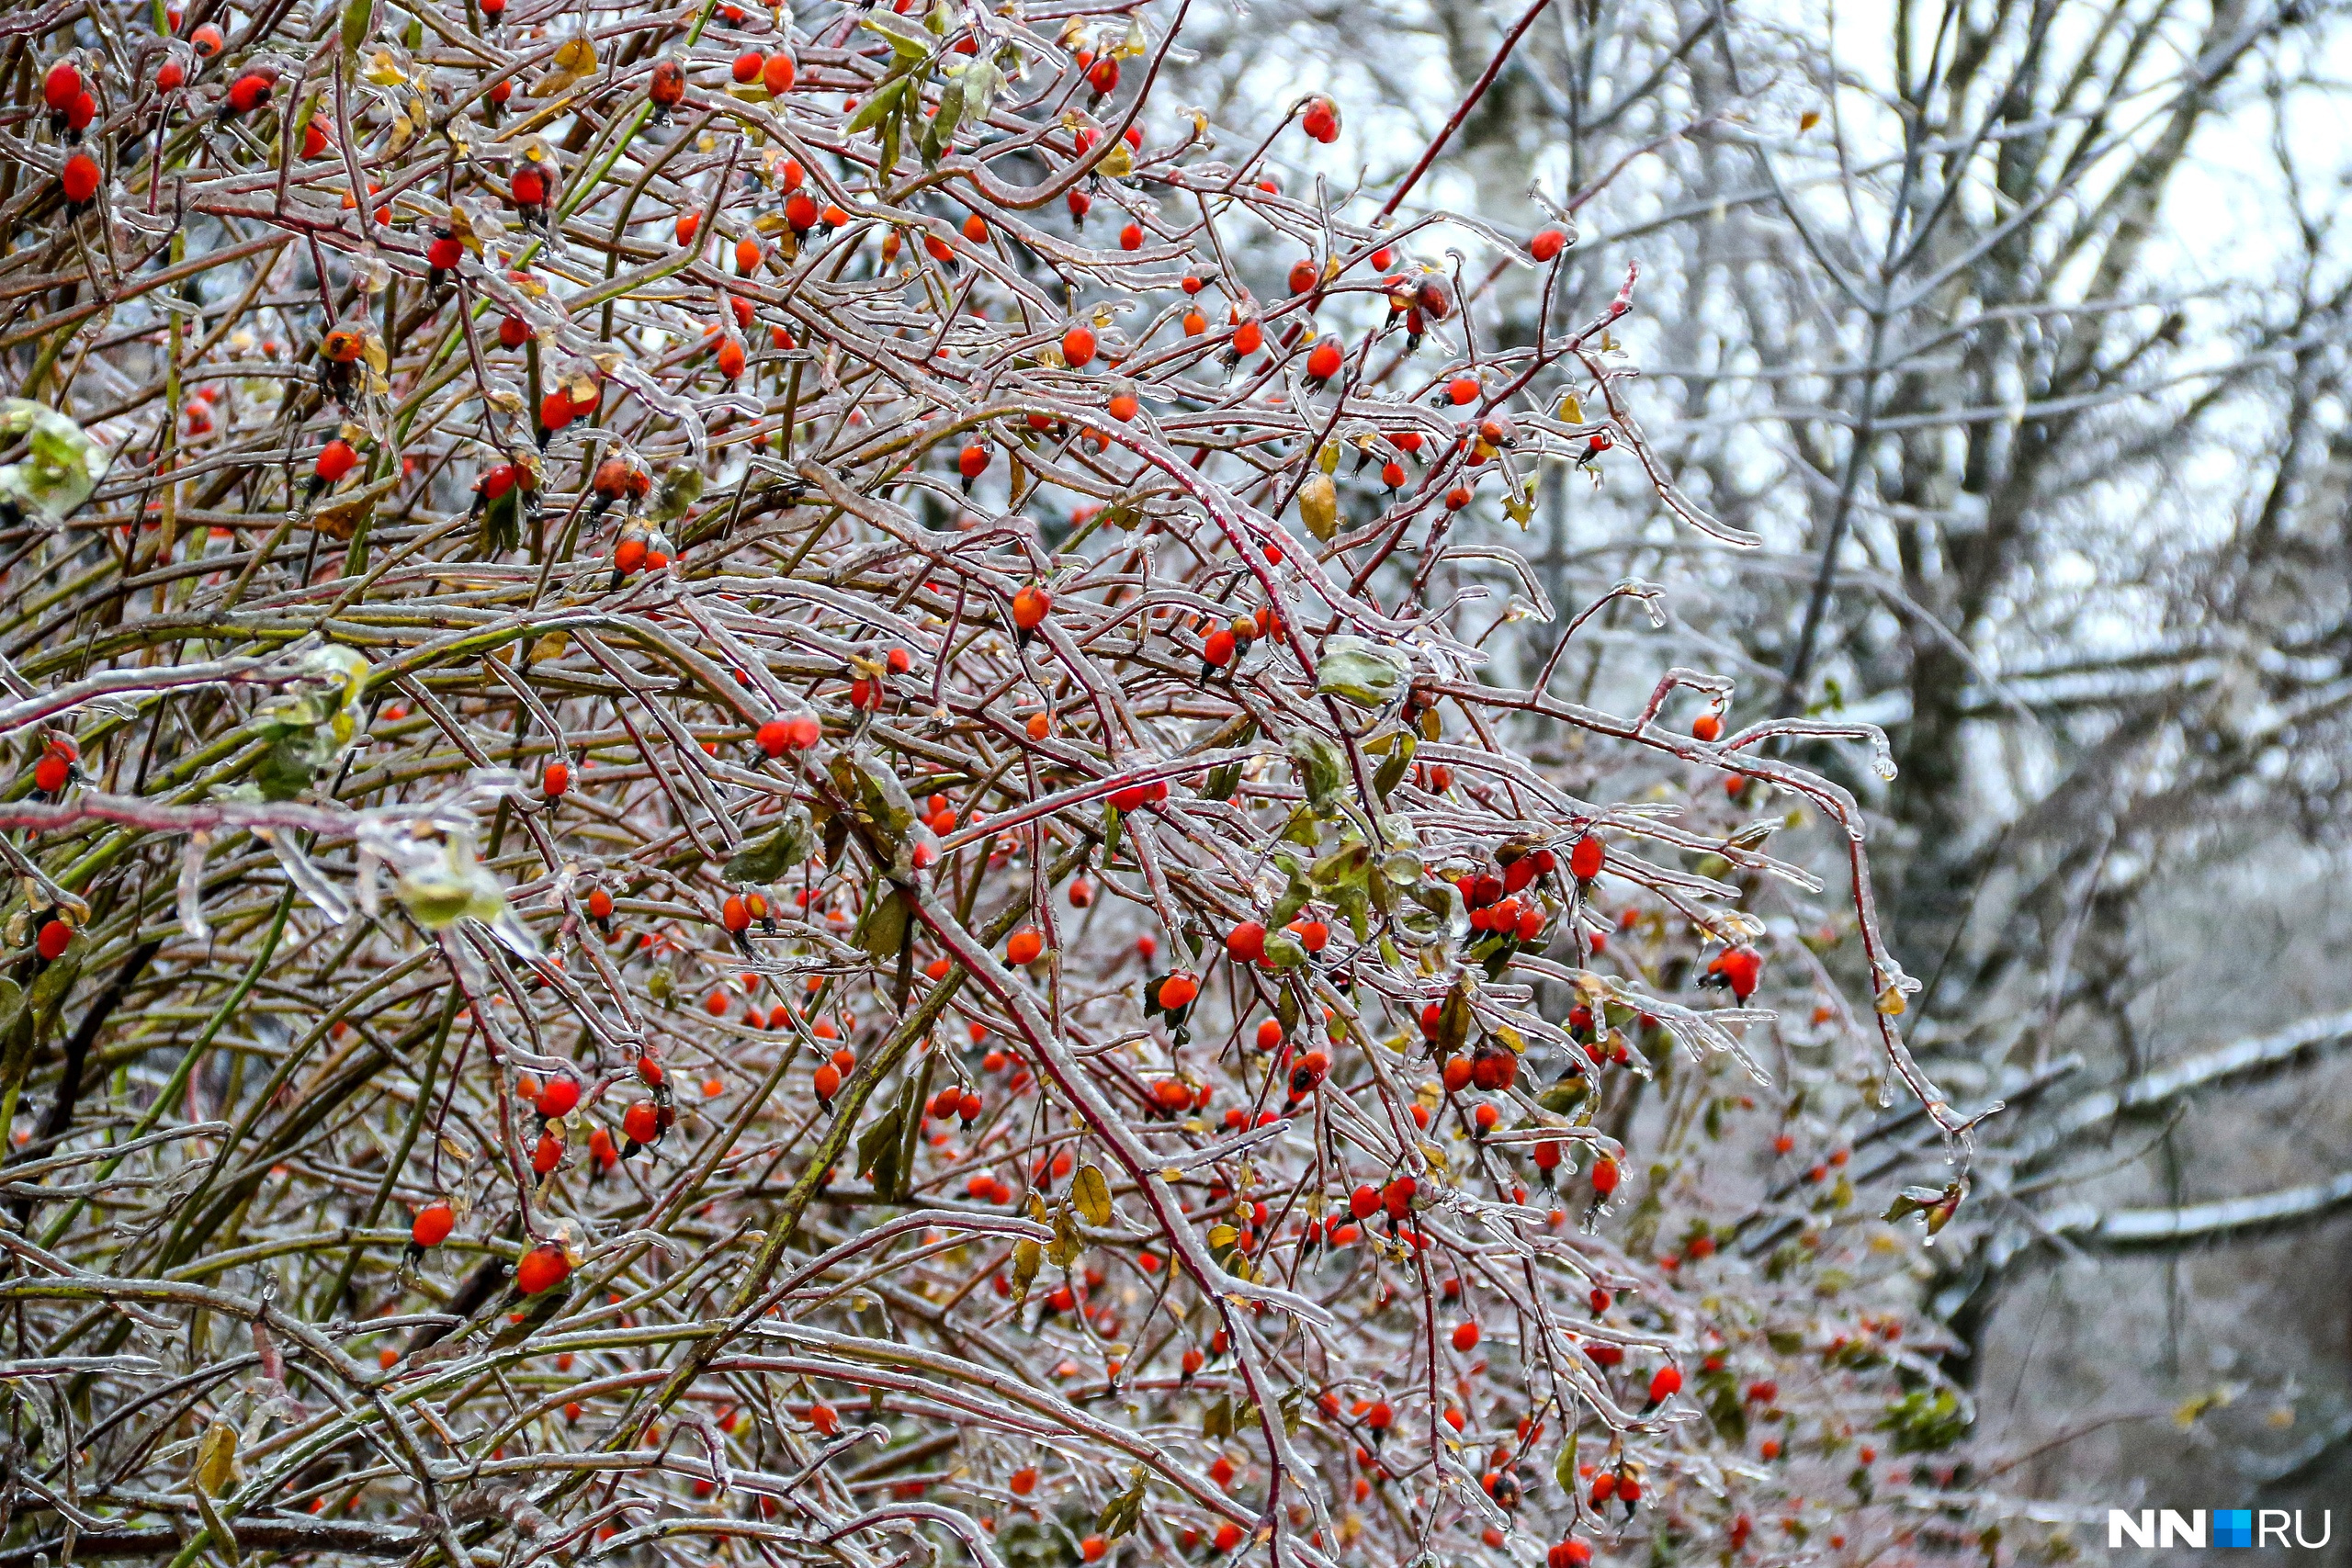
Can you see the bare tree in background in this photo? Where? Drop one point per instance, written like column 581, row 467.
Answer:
column 2016, row 335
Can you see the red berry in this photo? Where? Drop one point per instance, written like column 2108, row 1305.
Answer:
column 433, row 1224
column 80, row 179
column 560, row 1095
column 60, row 86
column 55, row 937
column 542, row 1270
column 668, row 84
column 337, row 460
column 1586, row 860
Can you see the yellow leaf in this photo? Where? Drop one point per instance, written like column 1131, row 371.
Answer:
column 575, row 61
column 340, row 518
column 215, row 1459
column 2197, row 1406
column 1092, row 1193
column 1318, row 505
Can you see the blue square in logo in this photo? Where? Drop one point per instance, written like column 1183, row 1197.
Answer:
column 2233, row 1526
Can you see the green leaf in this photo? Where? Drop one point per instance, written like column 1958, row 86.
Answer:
column 877, row 1150
column 358, row 21
column 1110, row 832
column 680, row 488
column 1392, row 772
column 1295, row 896
column 907, row 38
column 788, row 846
column 1355, row 908
column 1564, row 1470
column 218, row 1527
column 1925, row 1421
column 1321, row 769
column 1453, row 1020
column 1436, row 913
column 882, row 803
column 1216, row 1421
column 1347, row 866
column 1284, row 951
column 1121, row 1514
column 1727, row 1411
column 1565, row 1095
column 882, row 932
column 1360, row 671
column 884, row 99
column 63, row 466
column 1223, row 781
column 951, row 111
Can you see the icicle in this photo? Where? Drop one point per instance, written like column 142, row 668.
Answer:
column 191, row 891
column 306, row 876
